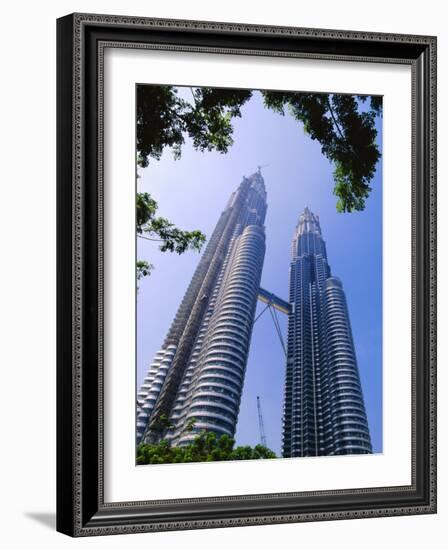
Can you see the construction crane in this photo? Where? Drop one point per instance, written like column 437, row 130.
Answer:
column 260, row 422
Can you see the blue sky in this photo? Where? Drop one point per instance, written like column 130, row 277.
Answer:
column 192, row 192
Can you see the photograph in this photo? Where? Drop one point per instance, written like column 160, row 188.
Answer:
column 258, row 276
column 246, row 274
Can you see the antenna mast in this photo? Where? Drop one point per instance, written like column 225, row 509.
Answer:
column 260, row 422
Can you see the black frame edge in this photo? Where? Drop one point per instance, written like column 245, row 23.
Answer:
column 424, row 278
column 65, row 497
column 80, row 512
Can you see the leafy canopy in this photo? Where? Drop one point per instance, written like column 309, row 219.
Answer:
column 346, row 135
column 205, row 447
column 158, row 229
column 346, row 132
column 164, row 119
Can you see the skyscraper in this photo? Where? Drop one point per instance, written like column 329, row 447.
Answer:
column 324, row 411
column 196, row 379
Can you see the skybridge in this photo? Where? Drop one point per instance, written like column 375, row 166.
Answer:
column 274, row 301
column 274, row 304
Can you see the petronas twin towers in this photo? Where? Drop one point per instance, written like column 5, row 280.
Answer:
column 195, row 381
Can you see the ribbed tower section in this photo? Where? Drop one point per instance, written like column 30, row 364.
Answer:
column 324, row 411
column 195, row 381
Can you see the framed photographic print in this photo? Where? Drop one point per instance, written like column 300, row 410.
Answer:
column 246, row 274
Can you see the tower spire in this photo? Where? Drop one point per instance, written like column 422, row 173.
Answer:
column 308, row 223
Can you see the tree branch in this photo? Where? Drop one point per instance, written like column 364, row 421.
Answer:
column 194, row 97
column 335, row 121
column 149, row 239
column 349, row 147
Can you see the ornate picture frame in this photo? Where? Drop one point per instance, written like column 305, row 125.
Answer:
column 81, row 43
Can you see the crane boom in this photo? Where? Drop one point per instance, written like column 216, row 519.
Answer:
column 260, row 423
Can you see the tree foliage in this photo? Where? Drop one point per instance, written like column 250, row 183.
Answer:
column 143, row 268
column 164, row 119
column 346, row 133
column 159, row 229
column 206, row 447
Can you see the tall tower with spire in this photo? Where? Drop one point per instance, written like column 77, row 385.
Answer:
column 195, row 381
column 324, row 412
